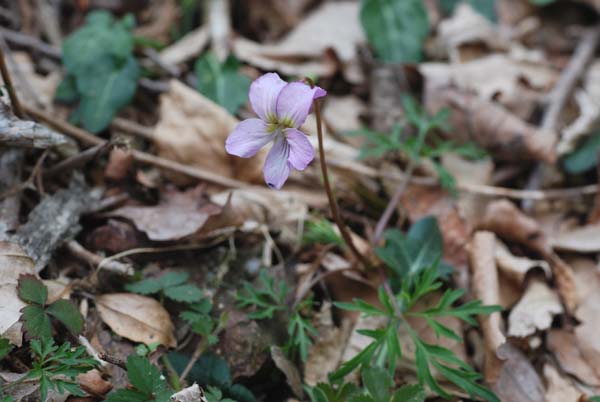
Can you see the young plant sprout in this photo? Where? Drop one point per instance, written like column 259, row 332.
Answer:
column 282, row 108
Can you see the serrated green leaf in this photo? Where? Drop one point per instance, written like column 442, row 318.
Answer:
column 144, row 376
column 145, row 286
column 32, row 290
column 396, row 29
column 409, row 393
column 173, row 279
column 67, row 313
column 126, row 395
column 187, row 293
column 222, row 83
column 378, row 382
column 66, row 91
column 36, row 321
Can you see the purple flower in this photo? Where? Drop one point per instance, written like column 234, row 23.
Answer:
column 282, row 108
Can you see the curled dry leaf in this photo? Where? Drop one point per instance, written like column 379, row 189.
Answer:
column 563, row 344
column 485, row 288
column 178, row 215
column 516, row 268
column 288, row 369
column 534, row 311
column 515, row 84
column 93, row 383
column 192, row 130
column 506, row 220
column 138, row 318
column 13, row 263
column 304, row 50
column 560, row 388
column 492, row 127
column 467, row 27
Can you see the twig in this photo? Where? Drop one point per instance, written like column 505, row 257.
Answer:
column 78, row 160
column 559, row 96
column 332, row 201
column 132, row 127
column 201, row 348
column 14, row 100
column 113, row 360
column 30, row 42
column 389, row 210
column 95, row 260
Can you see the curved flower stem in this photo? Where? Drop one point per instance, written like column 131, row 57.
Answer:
column 335, row 211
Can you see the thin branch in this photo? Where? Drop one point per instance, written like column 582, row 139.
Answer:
column 332, row 201
column 14, row 100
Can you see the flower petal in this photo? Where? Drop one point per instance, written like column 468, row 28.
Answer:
column 277, row 168
column 263, row 95
column 301, row 150
column 294, row 102
column 247, row 138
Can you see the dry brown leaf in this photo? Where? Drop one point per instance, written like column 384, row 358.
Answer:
column 563, row 344
column 325, row 354
column 516, row 268
column 587, row 276
column 290, row 371
column 560, row 388
column 492, row 127
column 13, row 263
column 192, row 130
column 584, row 239
column 188, row 46
column 138, row 318
column 304, row 50
column 485, row 288
column 519, row 86
column 587, row 332
column 192, row 393
column 178, row 215
column 93, row 383
column 535, row 310
column 467, row 27
column 506, row 220
column 518, row 380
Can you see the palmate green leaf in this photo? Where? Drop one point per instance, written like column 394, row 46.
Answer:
column 466, row 382
column 222, row 83
column 144, row 376
column 408, row 254
column 127, row 395
column 36, row 322
column 67, row 313
column 409, row 393
column 299, row 331
column 32, row 290
column 395, row 29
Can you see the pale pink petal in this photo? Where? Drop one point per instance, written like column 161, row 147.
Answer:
column 247, row 138
column 294, row 103
column 301, row 150
column 277, row 168
column 263, row 95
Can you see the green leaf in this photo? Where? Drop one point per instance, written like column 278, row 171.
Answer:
column 67, row 313
column 487, row 8
column 321, row 232
column 408, row 254
column 409, row 393
column 222, row 83
column 144, row 376
column 173, row 279
column 396, row 29
column 36, row 321
column 585, row 157
column 378, row 382
column 32, row 290
column 66, row 91
column 105, row 89
column 5, row 348
column 542, row 3
column 155, row 285
column 127, row 395
column 187, row 293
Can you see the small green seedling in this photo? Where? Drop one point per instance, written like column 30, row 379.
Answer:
column 172, row 285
